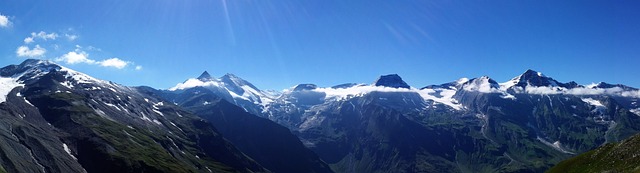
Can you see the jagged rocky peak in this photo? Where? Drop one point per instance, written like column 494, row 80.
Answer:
column 605, row 85
column 205, row 76
column 391, row 80
column 451, row 85
column 537, row 79
column 533, row 78
column 302, row 87
column 484, row 80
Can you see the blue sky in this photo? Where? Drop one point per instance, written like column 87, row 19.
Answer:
column 277, row 44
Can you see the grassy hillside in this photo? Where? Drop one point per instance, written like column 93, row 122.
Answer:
column 613, row 157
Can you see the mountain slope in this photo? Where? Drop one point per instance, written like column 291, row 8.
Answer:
column 612, row 157
column 59, row 120
column 270, row 144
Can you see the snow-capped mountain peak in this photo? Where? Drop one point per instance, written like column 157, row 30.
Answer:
column 481, row 84
column 205, row 76
column 229, row 87
column 534, row 78
column 236, row 83
column 32, row 69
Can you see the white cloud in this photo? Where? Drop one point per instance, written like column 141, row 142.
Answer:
column 24, row 51
column 114, row 62
column 28, row 40
column 76, row 57
column 581, row 91
column 190, row 83
column 71, row 37
column 4, row 21
column 444, row 96
column 138, row 67
column 41, row 35
column 91, row 48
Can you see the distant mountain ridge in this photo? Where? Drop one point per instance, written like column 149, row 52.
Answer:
column 55, row 119
column 539, row 112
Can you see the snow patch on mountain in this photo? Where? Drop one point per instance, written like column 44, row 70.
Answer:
column 555, row 145
column 6, row 85
column 599, row 107
column 444, row 96
column 66, row 148
column 80, row 77
column 635, row 111
column 483, row 84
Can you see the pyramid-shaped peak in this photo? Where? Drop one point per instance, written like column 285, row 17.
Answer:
column 205, row 76
column 533, row 73
column 537, row 79
column 391, row 80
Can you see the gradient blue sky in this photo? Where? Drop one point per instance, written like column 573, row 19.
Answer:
column 277, row 44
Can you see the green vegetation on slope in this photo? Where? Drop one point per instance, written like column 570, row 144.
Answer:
column 123, row 148
column 613, row 157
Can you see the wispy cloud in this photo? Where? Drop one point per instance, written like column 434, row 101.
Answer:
column 138, row 67
column 71, row 37
column 41, row 35
column 25, row 51
column 4, row 21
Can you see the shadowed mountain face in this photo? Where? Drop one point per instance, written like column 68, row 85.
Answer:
column 270, row 144
column 527, row 124
column 392, row 80
column 57, row 120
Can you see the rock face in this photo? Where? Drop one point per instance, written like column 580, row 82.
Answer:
column 392, row 80
column 57, row 120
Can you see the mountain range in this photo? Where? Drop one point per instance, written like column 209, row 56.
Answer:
column 55, row 119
